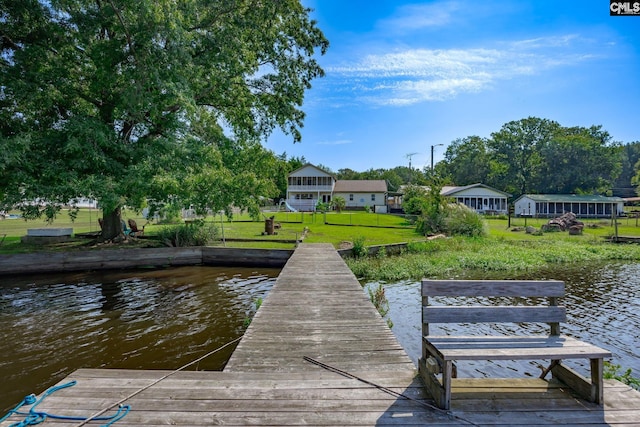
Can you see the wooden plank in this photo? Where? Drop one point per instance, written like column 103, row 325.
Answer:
column 480, row 349
column 310, row 309
column 496, row 288
column 502, row 314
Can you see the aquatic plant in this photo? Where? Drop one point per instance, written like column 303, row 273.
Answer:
column 379, row 299
column 612, row 372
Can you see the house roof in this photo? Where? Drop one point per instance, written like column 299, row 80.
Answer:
column 360, row 186
column 451, row 190
column 309, row 165
column 557, row 198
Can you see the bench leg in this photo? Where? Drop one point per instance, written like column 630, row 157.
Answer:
column 440, row 392
column 597, row 383
column 593, row 390
column 446, row 383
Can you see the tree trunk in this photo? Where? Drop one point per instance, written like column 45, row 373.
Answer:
column 112, row 225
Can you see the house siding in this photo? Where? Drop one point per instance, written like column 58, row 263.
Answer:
column 547, row 206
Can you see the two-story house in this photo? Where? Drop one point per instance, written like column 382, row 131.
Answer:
column 309, row 185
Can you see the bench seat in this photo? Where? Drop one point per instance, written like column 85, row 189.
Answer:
column 439, row 352
column 511, row 348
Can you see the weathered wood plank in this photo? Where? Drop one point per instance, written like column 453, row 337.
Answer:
column 493, row 288
column 504, row 314
column 507, row 348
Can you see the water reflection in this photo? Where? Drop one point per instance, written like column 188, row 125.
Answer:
column 162, row 319
column 603, row 303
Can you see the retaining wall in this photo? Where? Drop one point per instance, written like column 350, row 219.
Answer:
column 136, row 258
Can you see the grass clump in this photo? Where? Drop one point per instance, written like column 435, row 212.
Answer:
column 197, row 233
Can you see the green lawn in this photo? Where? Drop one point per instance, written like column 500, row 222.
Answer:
column 333, row 228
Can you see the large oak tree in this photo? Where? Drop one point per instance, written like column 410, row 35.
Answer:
column 148, row 101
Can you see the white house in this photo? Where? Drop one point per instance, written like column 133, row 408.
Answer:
column 552, row 205
column 309, row 185
column 480, row 197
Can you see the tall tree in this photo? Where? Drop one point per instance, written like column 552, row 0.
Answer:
column 578, row 160
column 466, row 161
column 127, row 101
column 629, row 156
column 515, row 153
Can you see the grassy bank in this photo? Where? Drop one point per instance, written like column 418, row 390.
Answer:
column 502, row 250
column 448, row 258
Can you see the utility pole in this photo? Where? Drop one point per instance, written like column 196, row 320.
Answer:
column 436, row 145
column 409, row 157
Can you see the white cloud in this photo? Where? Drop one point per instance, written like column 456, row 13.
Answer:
column 419, row 16
column 411, row 76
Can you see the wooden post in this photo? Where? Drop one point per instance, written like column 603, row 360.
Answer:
column 615, row 221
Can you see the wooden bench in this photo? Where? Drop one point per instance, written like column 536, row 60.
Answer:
column 439, row 352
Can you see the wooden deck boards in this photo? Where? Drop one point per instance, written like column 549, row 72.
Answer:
column 318, row 309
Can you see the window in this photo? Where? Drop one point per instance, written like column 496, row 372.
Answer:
column 351, row 197
column 373, row 197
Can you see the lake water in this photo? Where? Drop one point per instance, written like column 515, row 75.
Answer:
column 52, row 325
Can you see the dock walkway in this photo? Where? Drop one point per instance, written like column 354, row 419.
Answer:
column 318, row 310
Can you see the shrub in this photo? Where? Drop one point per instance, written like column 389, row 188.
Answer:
column 197, row 233
column 359, row 250
column 463, row 221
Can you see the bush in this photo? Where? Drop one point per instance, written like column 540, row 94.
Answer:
column 463, row 221
column 359, row 250
column 195, row 234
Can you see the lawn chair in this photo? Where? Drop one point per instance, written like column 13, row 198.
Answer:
column 135, row 231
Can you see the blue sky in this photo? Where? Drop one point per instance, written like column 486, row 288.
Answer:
column 402, row 76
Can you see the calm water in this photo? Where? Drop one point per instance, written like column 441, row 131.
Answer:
column 603, row 308
column 53, row 325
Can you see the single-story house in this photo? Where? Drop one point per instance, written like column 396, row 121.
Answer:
column 309, row 185
column 479, row 197
column 552, row 205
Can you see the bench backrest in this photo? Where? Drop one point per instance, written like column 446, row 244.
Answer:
column 552, row 313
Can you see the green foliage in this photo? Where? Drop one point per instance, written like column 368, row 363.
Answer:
column 359, row 249
column 449, row 257
column 154, row 100
column 197, row 233
column 247, row 320
column 612, row 372
column 322, row 207
column 338, row 203
column 414, row 200
column 463, row 221
column 379, row 299
column 432, row 219
column 541, row 156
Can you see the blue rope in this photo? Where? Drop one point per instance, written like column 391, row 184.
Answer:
column 34, row 417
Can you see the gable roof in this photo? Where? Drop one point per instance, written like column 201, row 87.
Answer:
column 451, row 190
column 360, row 186
column 309, row 165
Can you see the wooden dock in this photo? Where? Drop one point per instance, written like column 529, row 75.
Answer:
column 318, row 310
